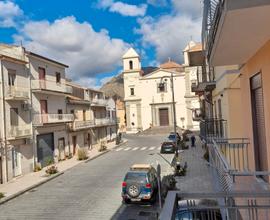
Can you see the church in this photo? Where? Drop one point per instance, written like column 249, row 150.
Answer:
column 149, row 97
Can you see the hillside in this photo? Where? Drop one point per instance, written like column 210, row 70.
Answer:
column 115, row 87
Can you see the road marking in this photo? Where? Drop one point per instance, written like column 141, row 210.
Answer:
column 135, row 148
column 118, row 149
column 151, row 148
column 143, row 148
column 128, row 148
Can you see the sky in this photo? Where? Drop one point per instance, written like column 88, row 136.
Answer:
column 91, row 36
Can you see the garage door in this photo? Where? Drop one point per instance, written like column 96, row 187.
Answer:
column 163, row 117
column 45, row 148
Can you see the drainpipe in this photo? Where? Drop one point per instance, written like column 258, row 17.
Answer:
column 5, row 177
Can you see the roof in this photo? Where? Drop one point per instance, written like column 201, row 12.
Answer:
column 197, row 47
column 170, row 65
column 147, row 70
column 45, row 58
column 130, row 53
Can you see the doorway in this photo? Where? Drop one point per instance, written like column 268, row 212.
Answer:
column 74, row 143
column 42, row 77
column 44, row 111
column 257, row 103
column 16, row 162
column 163, row 117
column 61, row 148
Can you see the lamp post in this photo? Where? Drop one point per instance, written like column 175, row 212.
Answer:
column 174, row 112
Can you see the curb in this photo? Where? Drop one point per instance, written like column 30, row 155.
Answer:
column 6, row 199
column 104, row 152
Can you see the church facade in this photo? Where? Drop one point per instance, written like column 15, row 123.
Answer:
column 149, row 97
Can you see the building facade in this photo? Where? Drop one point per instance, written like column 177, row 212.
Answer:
column 148, row 94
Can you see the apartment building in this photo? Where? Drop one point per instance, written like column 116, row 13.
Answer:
column 16, row 154
column 148, row 94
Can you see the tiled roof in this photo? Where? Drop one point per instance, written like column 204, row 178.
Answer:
column 170, row 65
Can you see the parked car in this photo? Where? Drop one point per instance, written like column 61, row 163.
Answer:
column 140, row 184
column 198, row 209
column 167, row 146
column 175, row 137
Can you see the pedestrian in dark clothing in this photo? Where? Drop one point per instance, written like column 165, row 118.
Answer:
column 193, row 139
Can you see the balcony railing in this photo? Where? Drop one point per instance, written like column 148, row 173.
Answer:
column 19, row 131
column 98, row 102
column 51, row 86
column 104, row 121
column 211, row 16
column 17, row 93
column 213, row 129
column 78, row 125
column 40, row 119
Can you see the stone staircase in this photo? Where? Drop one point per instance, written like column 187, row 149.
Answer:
column 159, row 130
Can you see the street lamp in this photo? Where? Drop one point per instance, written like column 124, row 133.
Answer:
column 171, row 77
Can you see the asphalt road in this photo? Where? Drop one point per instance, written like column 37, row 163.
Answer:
column 91, row 190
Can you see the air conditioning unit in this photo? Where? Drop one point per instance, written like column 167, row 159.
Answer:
column 26, row 106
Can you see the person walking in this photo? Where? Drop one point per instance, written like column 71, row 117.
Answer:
column 193, row 140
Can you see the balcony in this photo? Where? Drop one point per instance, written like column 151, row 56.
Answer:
column 234, row 30
column 17, row 93
column 80, row 125
column 104, row 121
column 16, row 132
column 98, row 102
column 45, row 86
column 41, row 119
column 205, row 81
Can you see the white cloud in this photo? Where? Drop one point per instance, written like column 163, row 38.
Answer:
column 88, row 82
column 169, row 34
column 191, row 8
column 157, row 3
column 86, row 51
column 123, row 8
column 9, row 12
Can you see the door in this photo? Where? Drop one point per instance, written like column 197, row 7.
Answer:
column 74, row 143
column 84, row 115
column 45, row 149
column 44, row 111
column 61, row 148
column 163, row 117
column 42, row 77
column 16, row 162
column 257, row 103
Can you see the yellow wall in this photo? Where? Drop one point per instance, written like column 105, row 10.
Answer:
column 260, row 62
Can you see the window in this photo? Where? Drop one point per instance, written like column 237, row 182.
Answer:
column 84, row 115
column 132, row 92
column 60, row 114
column 108, row 114
column 11, row 77
column 131, row 65
column 162, row 87
column 14, row 116
column 58, row 77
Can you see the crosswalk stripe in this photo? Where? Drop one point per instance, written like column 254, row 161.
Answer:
column 128, row 148
column 151, row 148
column 118, row 149
column 143, row 148
column 135, row 148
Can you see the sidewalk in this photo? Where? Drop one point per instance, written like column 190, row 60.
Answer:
column 198, row 177
column 24, row 183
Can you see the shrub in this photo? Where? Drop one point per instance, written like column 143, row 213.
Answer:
column 52, row 170
column 102, row 146
column 82, row 154
column 2, row 195
column 37, row 167
column 49, row 161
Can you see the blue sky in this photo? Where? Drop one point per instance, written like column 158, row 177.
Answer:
column 92, row 35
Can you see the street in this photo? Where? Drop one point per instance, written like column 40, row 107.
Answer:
column 91, row 190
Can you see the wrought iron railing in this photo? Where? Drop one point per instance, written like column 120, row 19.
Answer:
column 19, row 131
column 78, row 125
column 40, row 119
column 17, row 92
column 51, row 86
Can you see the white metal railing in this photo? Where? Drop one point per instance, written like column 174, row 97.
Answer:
column 104, row 121
column 13, row 92
column 97, row 101
column 51, row 86
column 40, row 119
column 77, row 125
column 19, row 131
